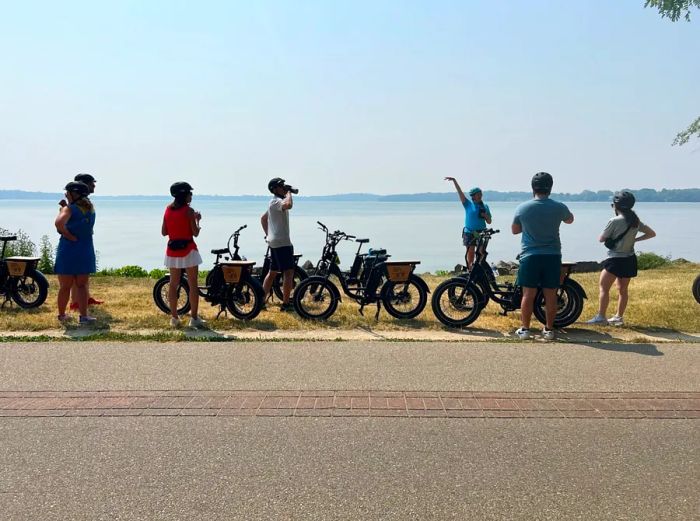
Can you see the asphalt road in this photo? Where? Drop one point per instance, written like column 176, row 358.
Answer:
column 350, row 365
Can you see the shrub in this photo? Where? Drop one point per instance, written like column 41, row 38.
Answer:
column 23, row 246
column 124, row 271
column 157, row 273
column 650, row 261
column 46, row 255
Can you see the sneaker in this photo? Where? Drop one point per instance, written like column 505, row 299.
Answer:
column 287, row 308
column 523, row 333
column 197, row 322
column 62, row 318
column 95, row 302
column 87, row 319
column 547, row 334
column 616, row 321
column 598, row 319
column 174, row 322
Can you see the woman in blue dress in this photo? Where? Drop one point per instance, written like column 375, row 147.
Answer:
column 75, row 255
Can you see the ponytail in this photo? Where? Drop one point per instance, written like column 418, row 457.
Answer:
column 630, row 217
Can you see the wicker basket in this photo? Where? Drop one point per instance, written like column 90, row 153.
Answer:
column 397, row 271
column 19, row 266
column 234, row 270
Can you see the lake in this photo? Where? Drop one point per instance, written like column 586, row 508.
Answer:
column 128, row 230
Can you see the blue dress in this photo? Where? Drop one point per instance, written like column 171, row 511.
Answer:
column 77, row 258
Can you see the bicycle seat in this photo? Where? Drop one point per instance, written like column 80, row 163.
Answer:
column 8, row 238
column 362, row 241
column 298, row 255
column 221, row 251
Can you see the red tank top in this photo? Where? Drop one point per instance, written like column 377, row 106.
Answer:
column 177, row 223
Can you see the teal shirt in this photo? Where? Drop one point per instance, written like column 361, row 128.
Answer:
column 540, row 220
column 472, row 221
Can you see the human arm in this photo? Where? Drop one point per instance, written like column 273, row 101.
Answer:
column 517, row 226
column 164, row 228
column 263, row 222
column 487, row 217
column 194, row 222
column 62, row 221
column 647, row 233
column 462, row 197
column 287, row 202
column 568, row 216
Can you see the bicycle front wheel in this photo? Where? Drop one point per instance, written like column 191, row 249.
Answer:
column 404, row 300
column 31, row 290
column 456, row 303
column 245, row 299
column 315, row 299
column 161, row 298
column 299, row 275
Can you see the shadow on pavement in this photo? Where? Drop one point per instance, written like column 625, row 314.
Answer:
column 666, row 334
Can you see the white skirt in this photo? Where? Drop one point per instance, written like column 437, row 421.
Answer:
column 190, row 260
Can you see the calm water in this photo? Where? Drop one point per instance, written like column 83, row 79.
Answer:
column 128, row 232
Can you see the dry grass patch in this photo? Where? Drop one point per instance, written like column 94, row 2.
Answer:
column 659, row 298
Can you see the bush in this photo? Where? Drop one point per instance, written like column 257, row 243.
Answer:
column 157, row 273
column 650, row 261
column 23, row 246
column 46, row 255
column 124, row 271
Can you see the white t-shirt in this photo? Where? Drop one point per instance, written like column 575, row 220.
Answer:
column 277, row 224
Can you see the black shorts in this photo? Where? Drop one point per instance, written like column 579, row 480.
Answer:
column 622, row 267
column 282, row 259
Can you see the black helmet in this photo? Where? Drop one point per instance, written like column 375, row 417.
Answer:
column 624, row 199
column 274, row 183
column 78, row 187
column 85, row 178
column 542, row 182
column 180, row 188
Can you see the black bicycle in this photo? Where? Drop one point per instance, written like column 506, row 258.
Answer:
column 261, row 273
column 696, row 289
column 230, row 285
column 20, row 280
column 457, row 302
column 371, row 279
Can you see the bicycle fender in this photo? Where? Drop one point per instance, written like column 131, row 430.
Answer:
column 420, row 282
column 334, row 288
column 577, row 287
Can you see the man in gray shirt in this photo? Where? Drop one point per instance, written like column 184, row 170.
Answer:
column 275, row 223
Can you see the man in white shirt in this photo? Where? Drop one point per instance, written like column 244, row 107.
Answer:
column 275, row 223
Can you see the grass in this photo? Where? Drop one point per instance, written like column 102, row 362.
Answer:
column 659, row 299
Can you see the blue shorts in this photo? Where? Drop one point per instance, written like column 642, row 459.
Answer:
column 469, row 238
column 282, row 259
column 539, row 271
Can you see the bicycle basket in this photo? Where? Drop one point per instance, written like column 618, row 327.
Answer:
column 234, row 270
column 398, row 271
column 19, row 266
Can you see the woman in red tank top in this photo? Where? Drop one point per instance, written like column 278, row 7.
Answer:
column 181, row 225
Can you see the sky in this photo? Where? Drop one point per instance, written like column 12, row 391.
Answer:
column 374, row 96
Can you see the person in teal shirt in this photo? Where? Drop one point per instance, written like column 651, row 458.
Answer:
column 476, row 216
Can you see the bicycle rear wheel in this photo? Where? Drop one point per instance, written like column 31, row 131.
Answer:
column 569, row 306
column 245, row 299
column 30, row 290
column 160, row 295
column 299, row 275
column 404, row 300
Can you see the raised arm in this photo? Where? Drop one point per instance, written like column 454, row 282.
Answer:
column 287, row 202
column 462, row 197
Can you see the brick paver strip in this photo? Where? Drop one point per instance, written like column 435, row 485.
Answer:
column 349, row 403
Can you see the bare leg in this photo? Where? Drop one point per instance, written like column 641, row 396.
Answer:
column 526, row 305
column 192, row 277
column 287, row 282
column 604, row 284
column 175, row 274
column 74, row 293
column 622, row 285
column 550, row 306
column 81, row 289
column 470, row 257
column 269, row 279
column 65, row 283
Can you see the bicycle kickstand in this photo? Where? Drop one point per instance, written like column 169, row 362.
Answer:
column 222, row 309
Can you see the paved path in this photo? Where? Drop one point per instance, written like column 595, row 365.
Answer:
column 349, row 430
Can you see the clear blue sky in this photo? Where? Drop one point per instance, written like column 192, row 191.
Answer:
column 376, row 96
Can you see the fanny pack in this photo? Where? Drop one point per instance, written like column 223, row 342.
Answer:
column 178, row 244
column 611, row 242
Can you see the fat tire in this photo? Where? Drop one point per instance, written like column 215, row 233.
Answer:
column 315, row 284
column 696, row 289
column 388, row 289
column 299, row 276
column 566, row 315
column 246, row 289
column 161, row 303
column 42, row 289
column 452, row 287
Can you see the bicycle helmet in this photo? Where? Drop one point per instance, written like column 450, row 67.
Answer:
column 85, row 178
column 624, row 199
column 274, row 183
column 180, row 188
column 78, row 187
column 474, row 191
column 542, row 182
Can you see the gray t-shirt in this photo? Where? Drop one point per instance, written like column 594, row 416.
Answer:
column 540, row 220
column 277, row 224
column 625, row 246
